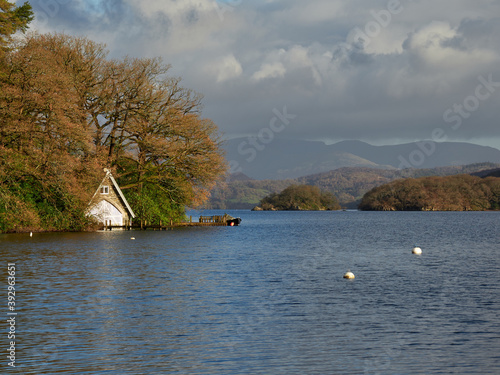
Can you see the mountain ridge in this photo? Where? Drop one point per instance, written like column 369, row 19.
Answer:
column 284, row 159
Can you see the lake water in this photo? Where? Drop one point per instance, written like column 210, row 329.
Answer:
column 267, row 297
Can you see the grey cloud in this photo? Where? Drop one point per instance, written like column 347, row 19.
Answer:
column 291, row 53
column 482, row 32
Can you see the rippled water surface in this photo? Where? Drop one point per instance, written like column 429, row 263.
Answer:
column 267, row 297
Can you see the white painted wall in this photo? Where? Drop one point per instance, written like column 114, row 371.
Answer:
column 105, row 211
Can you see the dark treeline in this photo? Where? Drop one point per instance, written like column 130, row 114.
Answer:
column 67, row 111
column 300, row 197
column 452, row 193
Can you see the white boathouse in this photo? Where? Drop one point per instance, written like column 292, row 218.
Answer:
column 108, row 205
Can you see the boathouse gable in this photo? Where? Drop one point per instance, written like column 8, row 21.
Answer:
column 109, row 205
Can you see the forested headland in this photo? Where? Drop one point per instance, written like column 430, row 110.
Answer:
column 299, row 198
column 67, row 111
column 451, row 193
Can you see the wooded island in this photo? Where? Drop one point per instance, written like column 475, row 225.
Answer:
column 451, row 193
column 299, row 198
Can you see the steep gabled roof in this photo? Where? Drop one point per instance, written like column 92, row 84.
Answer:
column 121, row 194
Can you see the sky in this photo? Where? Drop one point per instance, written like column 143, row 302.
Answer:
column 380, row 71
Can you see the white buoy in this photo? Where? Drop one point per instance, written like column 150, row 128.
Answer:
column 31, row 234
column 416, row 250
column 132, row 238
column 349, row 275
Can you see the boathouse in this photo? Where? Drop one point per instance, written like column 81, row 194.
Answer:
column 108, row 205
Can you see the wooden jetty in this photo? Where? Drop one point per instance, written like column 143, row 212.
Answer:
column 203, row 221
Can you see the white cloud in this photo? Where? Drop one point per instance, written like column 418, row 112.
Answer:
column 281, row 62
column 437, row 46
column 225, row 68
column 272, row 70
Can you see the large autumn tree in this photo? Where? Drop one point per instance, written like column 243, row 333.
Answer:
column 40, row 137
column 67, row 111
column 45, row 165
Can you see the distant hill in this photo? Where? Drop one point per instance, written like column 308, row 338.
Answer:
column 285, row 159
column 347, row 184
column 238, row 177
column 488, row 173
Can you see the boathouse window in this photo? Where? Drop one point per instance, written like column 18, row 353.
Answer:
column 104, row 189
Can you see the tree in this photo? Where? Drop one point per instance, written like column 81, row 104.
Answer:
column 12, row 19
column 43, row 141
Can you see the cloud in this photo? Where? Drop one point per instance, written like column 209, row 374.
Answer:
column 438, row 46
column 292, row 61
column 226, row 68
column 247, row 58
column 268, row 70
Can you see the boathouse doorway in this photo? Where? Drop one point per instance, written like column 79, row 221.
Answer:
column 105, row 212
